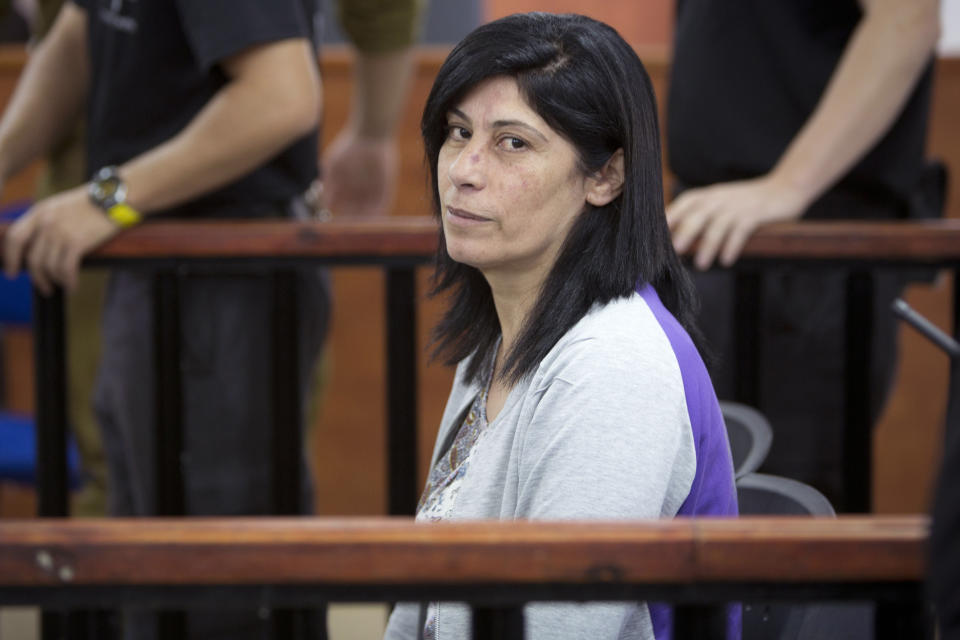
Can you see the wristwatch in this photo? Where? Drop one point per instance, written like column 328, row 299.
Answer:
column 108, row 191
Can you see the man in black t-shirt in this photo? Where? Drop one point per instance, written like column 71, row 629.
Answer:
column 789, row 109
column 194, row 109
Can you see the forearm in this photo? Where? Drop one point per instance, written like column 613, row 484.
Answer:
column 383, row 33
column 251, row 119
column 880, row 67
column 379, row 92
column 49, row 95
column 360, row 164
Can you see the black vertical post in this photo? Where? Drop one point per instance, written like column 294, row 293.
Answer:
column 746, row 322
column 287, row 405
column 169, row 403
column 51, row 427
column 956, row 303
column 500, row 623
column 168, row 443
column 51, row 409
column 903, row 619
column 858, row 364
column 401, row 391
column 943, row 556
column 700, row 622
column 287, row 401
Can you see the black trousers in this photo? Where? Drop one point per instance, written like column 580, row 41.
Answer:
column 225, row 365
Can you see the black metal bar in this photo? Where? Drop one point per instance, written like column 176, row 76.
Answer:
column 498, row 623
column 700, row 622
column 747, row 289
column 956, row 303
column 168, row 442
column 53, row 491
column 287, row 409
column 926, row 328
column 169, row 404
column 53, row 625
column 858, row 361
column 287, row 401
column 909, row 619
column 401, row 391
column 284, row 623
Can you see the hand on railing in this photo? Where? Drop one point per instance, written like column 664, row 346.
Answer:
column 52, row 237
column 724, row 216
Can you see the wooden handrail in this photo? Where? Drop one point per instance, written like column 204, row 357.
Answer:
column 239, row 551
column 935, row 241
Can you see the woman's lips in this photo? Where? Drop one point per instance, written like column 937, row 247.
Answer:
column 463, row 216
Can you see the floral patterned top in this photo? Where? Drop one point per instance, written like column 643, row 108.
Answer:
column 443, row 485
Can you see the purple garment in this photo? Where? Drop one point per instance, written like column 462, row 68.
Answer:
column 713, row 492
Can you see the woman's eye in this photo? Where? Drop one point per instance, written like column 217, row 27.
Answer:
column 458, row 133
column 512, row 144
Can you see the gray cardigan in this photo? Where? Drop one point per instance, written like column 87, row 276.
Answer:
column 601, row 430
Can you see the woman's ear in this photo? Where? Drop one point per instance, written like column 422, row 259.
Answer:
column 607, row 183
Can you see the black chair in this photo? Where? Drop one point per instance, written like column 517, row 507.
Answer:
column 762, row 494
column 749, row 434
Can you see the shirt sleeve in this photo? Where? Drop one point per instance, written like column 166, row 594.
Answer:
column 217, row 29
column 380, row 26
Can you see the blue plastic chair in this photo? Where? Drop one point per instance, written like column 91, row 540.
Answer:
column 18, row 447
column 18, row 451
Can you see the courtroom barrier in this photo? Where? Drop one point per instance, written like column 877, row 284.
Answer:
column 398, row 245
column 497, row 567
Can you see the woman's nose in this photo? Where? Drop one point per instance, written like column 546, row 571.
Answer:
column 466, row 168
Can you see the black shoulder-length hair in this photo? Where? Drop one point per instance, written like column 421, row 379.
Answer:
column 580, row 76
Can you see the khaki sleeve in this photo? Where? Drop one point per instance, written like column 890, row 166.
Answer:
column 380, row 26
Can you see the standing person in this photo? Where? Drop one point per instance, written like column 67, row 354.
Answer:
column 194, row 110
column 578, row 392
column 782, row 110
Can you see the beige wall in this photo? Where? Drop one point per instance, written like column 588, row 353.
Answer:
column 646, row 25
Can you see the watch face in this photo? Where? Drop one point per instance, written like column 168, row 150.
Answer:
column 107, row 188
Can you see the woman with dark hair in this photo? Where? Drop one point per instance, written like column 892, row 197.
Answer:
column 579, row 393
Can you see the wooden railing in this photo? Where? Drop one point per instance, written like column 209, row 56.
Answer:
column 495, row 566
column 399, row 244
column 930, row 242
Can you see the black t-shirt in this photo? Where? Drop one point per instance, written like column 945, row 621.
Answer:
column 154, row 66
column 745, row 77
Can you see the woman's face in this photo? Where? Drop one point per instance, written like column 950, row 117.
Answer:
column 510, row 186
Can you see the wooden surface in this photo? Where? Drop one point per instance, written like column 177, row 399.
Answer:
column 397, row 550
column 933, row 241
column 390, row 237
